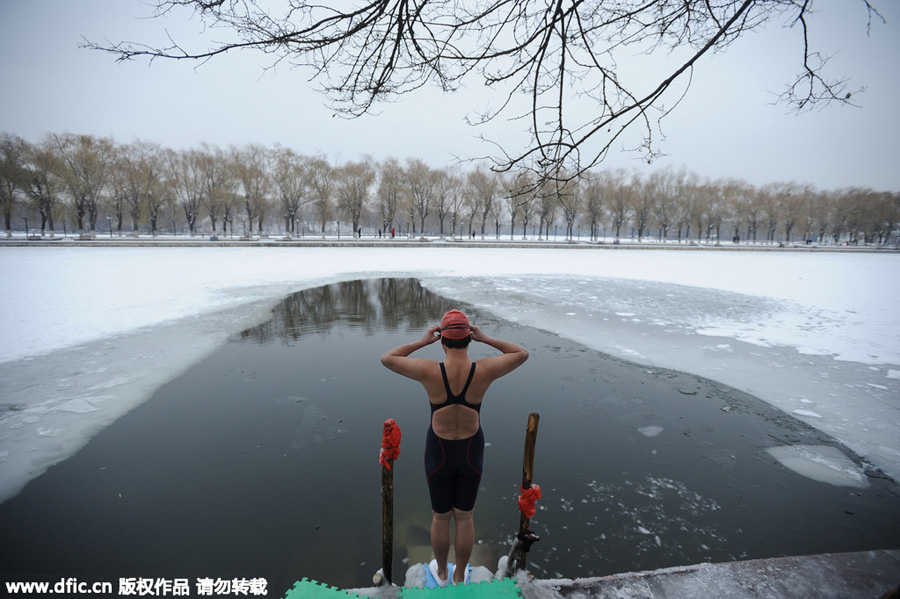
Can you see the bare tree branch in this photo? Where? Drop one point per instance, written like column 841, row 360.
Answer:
column 555, row 53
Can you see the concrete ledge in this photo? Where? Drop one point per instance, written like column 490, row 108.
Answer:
column 863, row 575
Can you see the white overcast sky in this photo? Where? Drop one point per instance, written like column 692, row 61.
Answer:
column 725, row 127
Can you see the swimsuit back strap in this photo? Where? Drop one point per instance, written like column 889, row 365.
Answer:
column 446, row 384
column 468, row 382
column 462, row 395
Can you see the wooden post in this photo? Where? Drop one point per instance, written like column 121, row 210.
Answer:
column 525, row 537
column 390, row 451
column 387, row 522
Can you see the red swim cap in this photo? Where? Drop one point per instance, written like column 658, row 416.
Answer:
column 455, row 325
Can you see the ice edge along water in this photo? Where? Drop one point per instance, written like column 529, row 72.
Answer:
column 93, row 332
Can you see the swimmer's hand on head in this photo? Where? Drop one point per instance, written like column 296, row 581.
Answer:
column 433, row 334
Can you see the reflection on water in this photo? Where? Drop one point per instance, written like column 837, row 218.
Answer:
column 369, row 305
column 261, row 461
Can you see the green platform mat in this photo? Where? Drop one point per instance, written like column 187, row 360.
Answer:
column 495, row 589
column 310, row 589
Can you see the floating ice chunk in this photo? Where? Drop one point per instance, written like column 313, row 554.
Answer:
column 81, row 405
column 893, row 374
column 643, row 530
column 114, row 382
column 48, row 432
column 650, row 431
column 813, row 351
column 807, row 413
column 880, row 387
column 625, row 314
column 822, row 463
column 630, row 353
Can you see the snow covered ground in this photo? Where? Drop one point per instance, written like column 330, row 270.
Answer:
column 90, row 332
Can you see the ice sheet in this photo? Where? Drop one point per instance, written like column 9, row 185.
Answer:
column 90, row 332
column 822, row 463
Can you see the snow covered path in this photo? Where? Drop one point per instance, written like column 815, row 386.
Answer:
column 90, row 332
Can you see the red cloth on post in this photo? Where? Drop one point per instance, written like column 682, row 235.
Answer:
column 390, row 443
column 528, row 500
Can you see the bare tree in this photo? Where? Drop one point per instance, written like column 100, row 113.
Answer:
column 569, row 196
column 767, row 197
column 791, row 203
column 666, row 186
column 86, row 173
column 43, row 182
column 353, row 181
column 524, row 198
column 160, row 185
column 753, row 209
column 613, row 184
column 496, row 213
column 594, row 201
column 456, row 187
column 390, row 190
column 688, row 201
column 137, row 174
column 321, row 177
column 250, row 167
column 290, row 175
column 891, row 214
column 13, row 175
column 118, row 199
column 483, row 186
column 642, row 204
column 551, row 54
column 446, row 193
column 546, row 204
column 717, row 207
column 736, row 195
column 188, row 183
column 421, row 189
column 511, row 202
column 219, row 183
column 879, row 214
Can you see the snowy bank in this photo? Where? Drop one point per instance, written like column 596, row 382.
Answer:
column 91, row 332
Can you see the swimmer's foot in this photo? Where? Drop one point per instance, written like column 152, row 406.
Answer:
column 442, row 582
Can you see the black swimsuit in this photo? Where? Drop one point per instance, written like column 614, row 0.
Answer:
column 453, row 467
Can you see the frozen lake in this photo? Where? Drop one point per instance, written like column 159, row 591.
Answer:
column 261, row 460
column 92, row 333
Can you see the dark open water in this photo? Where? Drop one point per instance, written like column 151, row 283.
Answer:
column 261, row 461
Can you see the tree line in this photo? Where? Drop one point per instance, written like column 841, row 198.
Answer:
column 144, row 188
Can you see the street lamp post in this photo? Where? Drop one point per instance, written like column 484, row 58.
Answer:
column 109, row 223
column 26, row 226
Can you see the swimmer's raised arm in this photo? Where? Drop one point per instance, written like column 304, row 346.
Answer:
column 512, row 357
column 398, row 358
